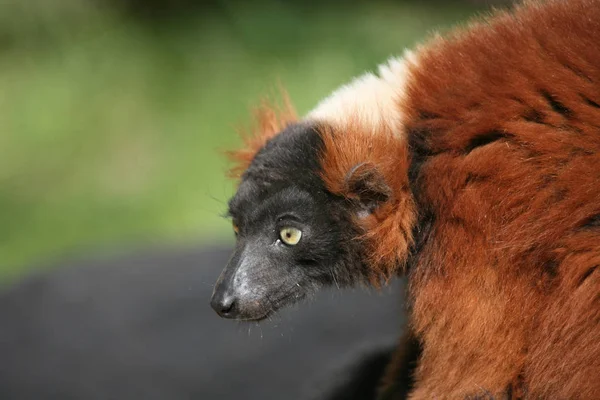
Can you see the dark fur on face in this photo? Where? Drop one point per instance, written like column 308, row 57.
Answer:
column 283, row 188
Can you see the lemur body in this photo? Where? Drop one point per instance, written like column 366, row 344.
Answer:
column 472, row 165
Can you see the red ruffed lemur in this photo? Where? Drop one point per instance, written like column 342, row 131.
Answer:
column 472, row 166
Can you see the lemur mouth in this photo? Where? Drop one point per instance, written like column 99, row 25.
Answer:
column 271, row 306
column 255, row 319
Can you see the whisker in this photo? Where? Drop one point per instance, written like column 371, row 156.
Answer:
column 334, row 278
column 214, row 198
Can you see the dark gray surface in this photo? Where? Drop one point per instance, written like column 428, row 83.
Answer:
column 139, row 326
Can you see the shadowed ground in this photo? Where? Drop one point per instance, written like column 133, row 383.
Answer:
column 139, row 326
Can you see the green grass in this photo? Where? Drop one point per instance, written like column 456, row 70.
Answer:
column 111, row 130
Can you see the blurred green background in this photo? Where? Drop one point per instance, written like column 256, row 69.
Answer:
column 114, row 114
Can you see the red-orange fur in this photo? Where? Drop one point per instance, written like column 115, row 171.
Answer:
column 387, row 231
column 269, row 119
column 506, row 291
column 502, row 124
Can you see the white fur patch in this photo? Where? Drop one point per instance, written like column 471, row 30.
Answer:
column 372, row 100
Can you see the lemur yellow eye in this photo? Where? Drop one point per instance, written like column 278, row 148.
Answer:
column 290, row 236
column 236, row 230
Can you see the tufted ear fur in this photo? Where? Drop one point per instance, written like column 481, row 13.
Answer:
column 371, row 170
column 367, row 186
column 269, row 119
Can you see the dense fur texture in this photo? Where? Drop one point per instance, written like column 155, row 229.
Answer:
column 504, row 125
column 485, row 183
column 364, row 169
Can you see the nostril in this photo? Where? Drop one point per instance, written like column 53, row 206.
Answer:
column 225, row 307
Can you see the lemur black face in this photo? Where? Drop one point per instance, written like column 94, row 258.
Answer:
column 292, row 235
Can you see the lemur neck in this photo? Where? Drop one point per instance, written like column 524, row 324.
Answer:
column 370, row 101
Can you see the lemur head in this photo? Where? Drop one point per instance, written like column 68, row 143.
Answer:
column 321, row 201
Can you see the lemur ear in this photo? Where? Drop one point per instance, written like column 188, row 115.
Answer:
column 367, row 186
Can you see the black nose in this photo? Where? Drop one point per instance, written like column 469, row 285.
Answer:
column 224, row 305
